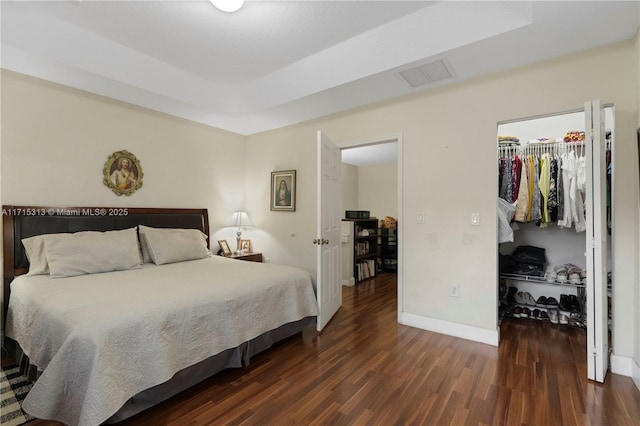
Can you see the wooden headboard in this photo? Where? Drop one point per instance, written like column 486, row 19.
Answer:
column 20, row 222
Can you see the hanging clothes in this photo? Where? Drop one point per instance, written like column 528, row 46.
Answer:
column 553, row 190
column 530, row 173
column 546, row 186
column 522, row 204
column 568, row 177
column 560, row 189
column 574, row 199
column 505, row 188
column 515, row 176
column 544, row 190
column 536, row 214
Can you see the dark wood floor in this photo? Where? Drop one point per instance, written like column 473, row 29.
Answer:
column 366, row 369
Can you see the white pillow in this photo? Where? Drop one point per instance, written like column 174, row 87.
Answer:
column 35, row 250
column 170, row 245
column 144, row 247
column 92, row 252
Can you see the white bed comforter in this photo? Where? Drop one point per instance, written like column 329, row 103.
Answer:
column 102, row 338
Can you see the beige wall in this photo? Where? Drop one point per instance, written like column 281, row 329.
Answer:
column 378, row 189
column 55, row 141
column 349, row 187
column 449, row 171
column 373, row 188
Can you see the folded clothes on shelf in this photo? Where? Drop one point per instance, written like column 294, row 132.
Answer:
column 528, row 269
column 530, row 254
column 525, row 260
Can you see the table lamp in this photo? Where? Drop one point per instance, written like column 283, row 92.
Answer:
column 241, row 221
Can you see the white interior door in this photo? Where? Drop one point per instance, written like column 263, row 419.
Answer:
column 329, row 286
column 597, row 313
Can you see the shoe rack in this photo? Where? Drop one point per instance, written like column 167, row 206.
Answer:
column 569, row 308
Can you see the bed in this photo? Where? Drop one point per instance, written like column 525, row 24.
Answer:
column 107, row 336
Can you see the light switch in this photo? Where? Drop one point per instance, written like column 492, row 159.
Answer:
column 421, row 217
column 475, row 219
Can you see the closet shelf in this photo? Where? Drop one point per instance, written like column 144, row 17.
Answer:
column 540, row 280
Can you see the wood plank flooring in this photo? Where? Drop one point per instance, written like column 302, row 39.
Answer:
column 366, row 369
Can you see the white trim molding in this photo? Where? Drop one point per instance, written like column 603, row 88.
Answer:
column 635, row 373
column 349, row 282
column 626, row 366
column 482, row 335
column 622, row 365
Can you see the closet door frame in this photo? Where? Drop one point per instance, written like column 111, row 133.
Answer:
column 596, row 253
column 596, row 304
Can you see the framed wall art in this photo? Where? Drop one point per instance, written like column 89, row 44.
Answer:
column 283, row 191
column 122, row 173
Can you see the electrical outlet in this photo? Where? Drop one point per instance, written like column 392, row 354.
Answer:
column 454, row 290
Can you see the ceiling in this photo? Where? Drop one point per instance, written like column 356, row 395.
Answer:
column 276, row 63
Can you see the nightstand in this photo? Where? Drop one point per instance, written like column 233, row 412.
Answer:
column 250, row 257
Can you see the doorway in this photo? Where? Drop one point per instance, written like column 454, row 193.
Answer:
column 579, row 242
column 372, row 180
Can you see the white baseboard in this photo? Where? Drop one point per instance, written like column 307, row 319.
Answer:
column 349, row 283
column 621, row 365
column 626, row 366
column 635, row 373
column 482, row 335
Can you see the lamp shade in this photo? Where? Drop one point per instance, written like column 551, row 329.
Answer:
column 241, row 220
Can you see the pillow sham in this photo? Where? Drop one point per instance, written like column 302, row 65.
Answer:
column 34, row 248
column 144, row 247
column 170, row 245
column 91, row 252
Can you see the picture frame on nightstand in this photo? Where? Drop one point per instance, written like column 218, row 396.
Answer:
column 224, row 246
column 245, row 246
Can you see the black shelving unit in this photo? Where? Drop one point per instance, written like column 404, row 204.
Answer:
column 389, row 249
column 365, row 248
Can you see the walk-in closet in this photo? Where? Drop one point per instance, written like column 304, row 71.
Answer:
column 554, row 233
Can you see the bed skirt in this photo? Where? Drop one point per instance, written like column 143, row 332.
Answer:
column 188, row 377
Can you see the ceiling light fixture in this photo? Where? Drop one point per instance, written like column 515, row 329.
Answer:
column 228, row 5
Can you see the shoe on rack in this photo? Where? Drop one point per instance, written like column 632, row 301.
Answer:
column 551, row 275
column 535, row 314
column 520, row 299
column 574, row 320
column 541, row 302
column 526, row 312
column 565, row 303
column 563, row 319
column 574, row 305
column 553, row 316
column 511, row 292
column 561, row 272
column 551, row 301
column 529, row 299
column 573, row 272
column 544, row 316
column 574, row 278
column 517, row 311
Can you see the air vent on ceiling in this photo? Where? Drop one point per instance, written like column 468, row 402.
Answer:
column 428, row 73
